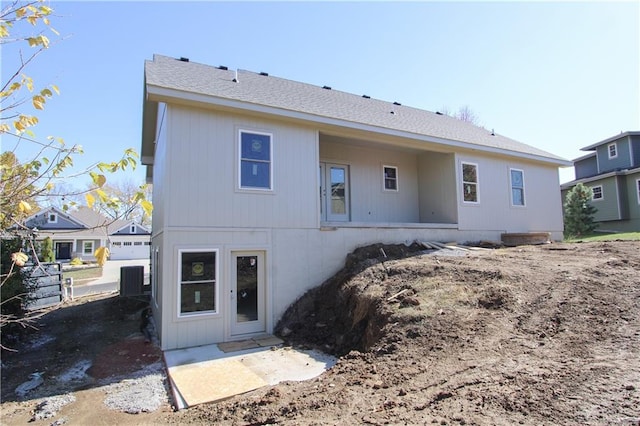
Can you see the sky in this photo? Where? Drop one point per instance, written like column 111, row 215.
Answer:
column 557, row 76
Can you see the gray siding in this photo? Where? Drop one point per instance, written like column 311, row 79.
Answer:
column 202, row 161
column 437, row 178
column 369, row 202
column 609, row 205
column 41, row 222
column 586, row 167
column 635, row 150
column 622, row 161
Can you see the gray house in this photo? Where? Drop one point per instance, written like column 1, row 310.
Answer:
column 262, row 185
column 78, row 233
column 612, row 171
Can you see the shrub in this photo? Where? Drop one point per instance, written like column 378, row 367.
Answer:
column 578, row 212
column 76, row 261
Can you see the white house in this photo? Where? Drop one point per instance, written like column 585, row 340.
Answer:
column 262, row 185
column 78, row 233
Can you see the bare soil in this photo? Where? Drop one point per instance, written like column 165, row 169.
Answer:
column 528, row 335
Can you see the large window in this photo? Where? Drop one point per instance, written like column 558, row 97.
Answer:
column 255, row 152
column 612, row 149
column 597, row 192
column 197, row 271
column 470, row 182
column 390, row 176
column 638, row 189
column 517, row 187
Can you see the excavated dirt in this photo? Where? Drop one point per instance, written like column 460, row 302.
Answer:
column 528, row 335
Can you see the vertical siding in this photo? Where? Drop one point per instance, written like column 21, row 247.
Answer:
column 543, row 205
column 437, row 181
column 204, row 155
column 369, row 201
column 160, row 171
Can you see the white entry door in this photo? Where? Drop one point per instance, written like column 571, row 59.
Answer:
column 247, row 292
column 334, row 192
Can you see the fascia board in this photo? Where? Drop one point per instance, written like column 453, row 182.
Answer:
column 162, row 94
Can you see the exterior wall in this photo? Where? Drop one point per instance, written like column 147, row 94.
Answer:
column 139, row 248
column 207, row 193
column 608, row 206
column 586, row 168
column 635, row 150
column 160, row 177
column 437, row 182
column 622, row 161
column 369, row 202
column 543, row 205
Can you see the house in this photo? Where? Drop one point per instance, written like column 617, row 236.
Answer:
column 262, row 185
column 78, row 233
column 612, row 170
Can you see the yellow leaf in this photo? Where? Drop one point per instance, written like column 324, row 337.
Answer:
column 99, row 180
column 103, row 195
column 90, row 200
column 101, row 254
column 147, row 207
column 19, row 258
column 24, row 206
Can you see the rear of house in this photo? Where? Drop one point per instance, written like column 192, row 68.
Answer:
column 263, row 185
column 612, row 171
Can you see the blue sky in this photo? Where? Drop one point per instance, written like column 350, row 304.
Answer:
column 558, row 76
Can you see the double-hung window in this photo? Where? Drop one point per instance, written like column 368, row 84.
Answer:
column 390, row 177
column 612, row 150
column 198, row 281
column 517, row 187
column 87, row 247
column 470, row 183
column 597, row 193
column 255, row 158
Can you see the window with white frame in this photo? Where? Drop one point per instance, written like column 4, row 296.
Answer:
column 197, row 271
column 52, row 218
column 597, row 193
column 612, row 149
column 390, row 178
column 638, row 189
column 470, row 183
column 255, row 168
column 132, row 229
column 87, row 247
column 517, row 187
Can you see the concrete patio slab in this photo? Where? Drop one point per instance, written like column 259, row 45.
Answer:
column 207, row 374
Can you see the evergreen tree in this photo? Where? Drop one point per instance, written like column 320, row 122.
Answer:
column 578, row 212
column 46, row 250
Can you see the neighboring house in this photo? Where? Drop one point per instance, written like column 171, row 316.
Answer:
column 262, row 185
column 80, row 232
column 612, row 171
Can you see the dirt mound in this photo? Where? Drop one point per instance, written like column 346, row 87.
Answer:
column 527, row 335
column 344, row 313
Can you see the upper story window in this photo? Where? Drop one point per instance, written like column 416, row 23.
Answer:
column 390, row 177
column 52, row 218
column 132, row 229
column 470, row 183
column 255, row 158
column 638, row 189
column 597, row 192
column 517, row 187
column 612, row 150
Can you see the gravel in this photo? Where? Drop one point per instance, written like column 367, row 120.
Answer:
column 144, row 392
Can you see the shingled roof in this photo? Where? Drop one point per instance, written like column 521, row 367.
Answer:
column 168, row 78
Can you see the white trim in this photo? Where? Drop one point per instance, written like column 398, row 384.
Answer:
column 239, row 163
column 216, row 283
column 50, row 215
column 477, row 182
column 511, row 187
column 593, row 198
column 615, row 148
column 384, row 179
